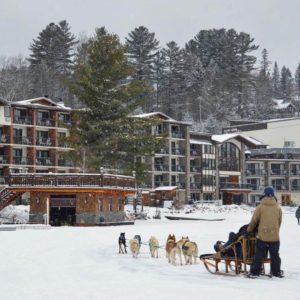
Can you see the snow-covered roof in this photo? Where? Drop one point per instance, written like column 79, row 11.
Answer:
column 200, row 142
column 281, row 104
column 36, row 102
column 161, row 116
column 221, row 138
column 166, row 188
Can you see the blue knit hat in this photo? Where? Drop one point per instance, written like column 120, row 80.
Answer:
column 268, row 192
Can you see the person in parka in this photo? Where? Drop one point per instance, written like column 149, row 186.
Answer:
column 267, row 219
column 297, row 214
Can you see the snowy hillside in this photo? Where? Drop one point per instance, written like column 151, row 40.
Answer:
column 84, row 263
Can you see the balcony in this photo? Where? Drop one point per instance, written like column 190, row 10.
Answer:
column 277, row 172
column 23, row 120
column 46, row 142
column 295, row 172
column 256, row 172
column 64, row 163
column 195, row 169
column 196, row 185
column 177, row 152
column 21, row 160
column 161, row 183
column 178, row 168
column 45, row 122
column 4, row 159
column 177, row 135
column 4, row 139
column 160, row 167
column 22, row 140
column 163, row 151
column 236, row 186
column 44, row 161
column 195, row 152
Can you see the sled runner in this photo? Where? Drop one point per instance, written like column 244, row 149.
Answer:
column 234, row 259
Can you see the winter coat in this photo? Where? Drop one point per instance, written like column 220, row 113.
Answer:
column 267, row 216
column 298, row 213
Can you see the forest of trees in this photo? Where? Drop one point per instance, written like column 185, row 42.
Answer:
column 215, row 78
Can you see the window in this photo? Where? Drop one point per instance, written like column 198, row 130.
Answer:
column 100, row 202
column 120, row 202
column 229, row 157
column 7, row 111
column 110, row 207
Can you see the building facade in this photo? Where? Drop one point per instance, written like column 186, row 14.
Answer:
column 32, row 136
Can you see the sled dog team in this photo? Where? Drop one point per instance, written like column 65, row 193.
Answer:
column 174, row 249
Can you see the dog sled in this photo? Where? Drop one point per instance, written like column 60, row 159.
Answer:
column 234, row 259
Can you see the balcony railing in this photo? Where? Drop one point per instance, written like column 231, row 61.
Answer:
column 163, row 151
column 44, row 161
column 195, row 169
column 77, row 180
column 4, row 159
column 45, row 122
column 196, row 185
column 177, row 135
column 295, row 187
column 159, row 167
column 230, row 185
column 256, row 172
column 195, row 152
column 23, row 120
column 47, row 142
column 178, row 168
column 22, row 140
column 4, row 139
column 21, row 160
column 295, row 172
column 161, row 183
column 277, row 172
column 177, row 151
column 64, row 163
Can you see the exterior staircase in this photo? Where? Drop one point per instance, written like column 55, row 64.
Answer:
column 7, row 196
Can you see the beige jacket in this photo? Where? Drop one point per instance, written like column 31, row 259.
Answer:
column 267, row 216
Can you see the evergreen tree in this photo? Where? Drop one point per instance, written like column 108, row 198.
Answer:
column 297, row 82
column 142, row 47
column 172, row 57
column 102, row 83
column 286, row 83
column 51, row 60
column 230, row 54
column 264, row 104
column 276, row 82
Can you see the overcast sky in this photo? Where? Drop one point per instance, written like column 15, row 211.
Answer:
column 273, row 23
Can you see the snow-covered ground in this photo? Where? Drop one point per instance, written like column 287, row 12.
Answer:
column 84, row 263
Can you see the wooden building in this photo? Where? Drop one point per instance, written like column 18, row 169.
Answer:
column 73, row 199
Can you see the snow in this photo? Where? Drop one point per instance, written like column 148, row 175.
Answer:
column 84, row 263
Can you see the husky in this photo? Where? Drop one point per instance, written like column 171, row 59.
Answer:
column 189, row 250
column 172, row 249
column 134, row 246
column 153, row 245
column 122, row 243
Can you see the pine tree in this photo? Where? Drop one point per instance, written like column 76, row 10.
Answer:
column 286, row 83
column 51, row 60
column 297, row 82
column 264, row 103
column 276, row 82
column 103, row 84
column 142, row 47
column 172, row 57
